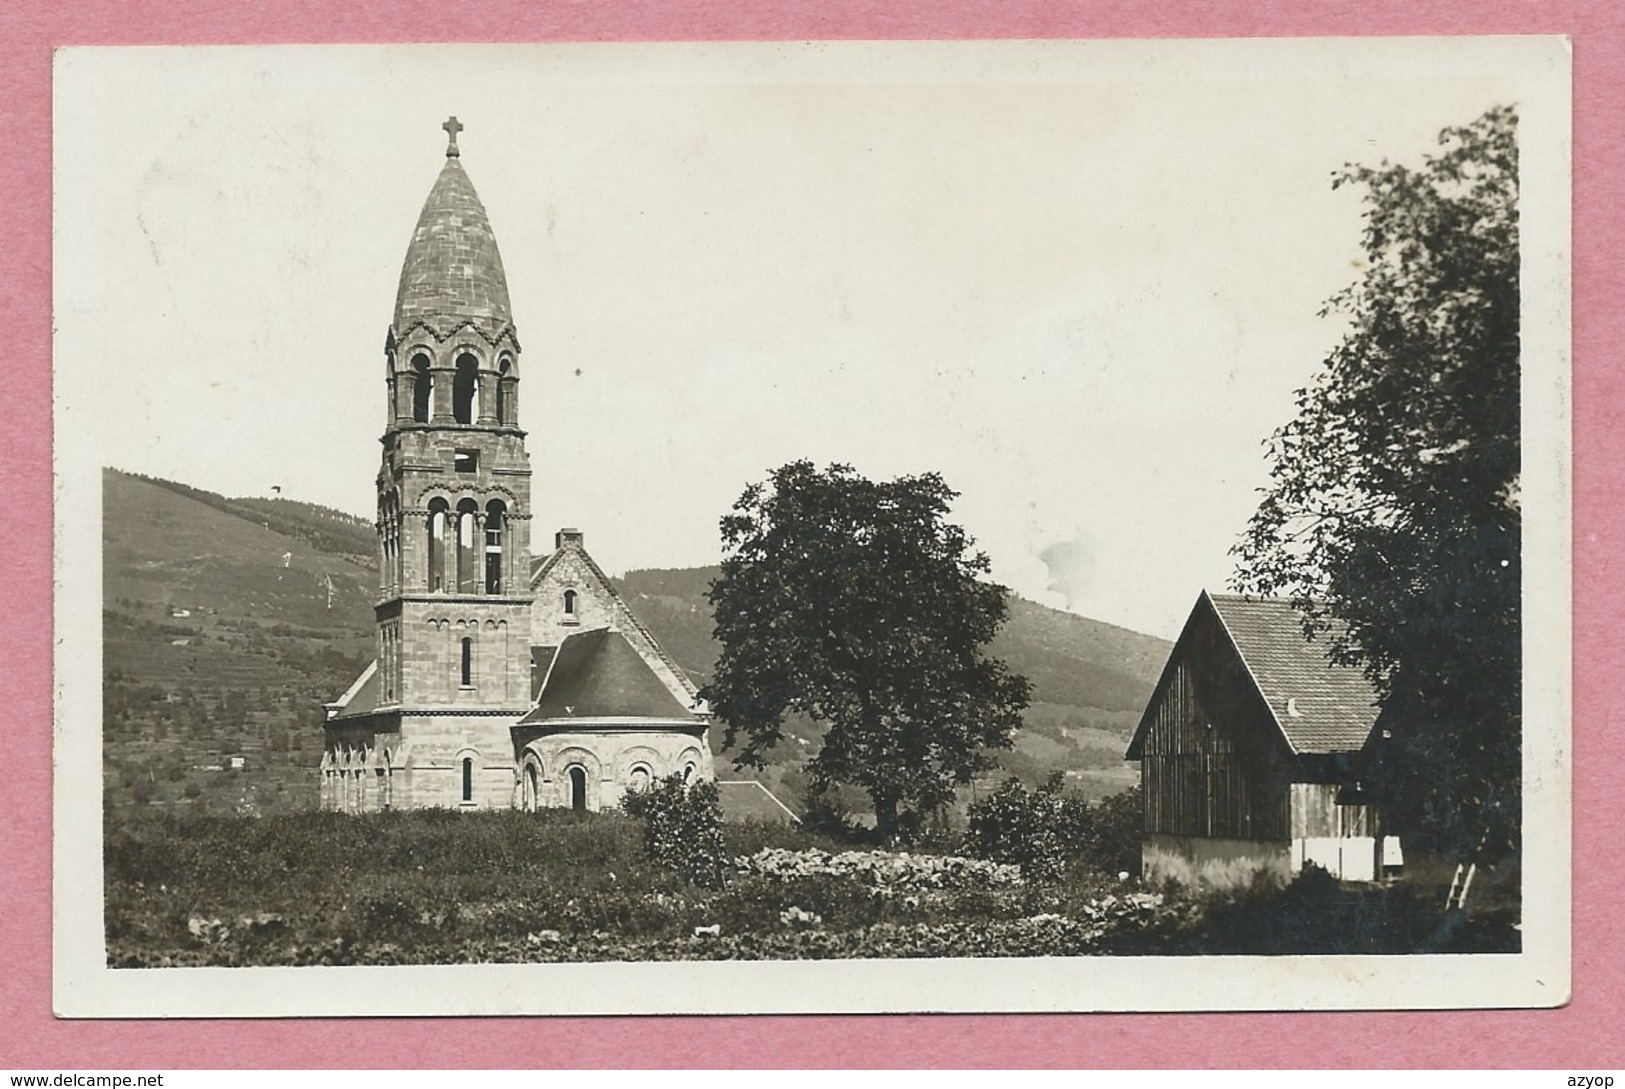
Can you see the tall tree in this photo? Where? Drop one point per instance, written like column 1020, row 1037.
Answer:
column 1393, row 502
column 858, row 604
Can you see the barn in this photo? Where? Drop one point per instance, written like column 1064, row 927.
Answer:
column 1249, row 750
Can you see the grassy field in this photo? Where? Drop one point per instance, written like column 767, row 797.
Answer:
column 442, row 887
column 438, row 887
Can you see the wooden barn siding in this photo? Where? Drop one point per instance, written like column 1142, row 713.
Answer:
column 1315, row 813
column 1194, row 780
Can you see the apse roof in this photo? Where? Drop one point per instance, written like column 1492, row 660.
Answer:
column 598, row 674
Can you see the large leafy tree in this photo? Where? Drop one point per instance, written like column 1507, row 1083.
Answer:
column 1393, row 503
column 858, row 604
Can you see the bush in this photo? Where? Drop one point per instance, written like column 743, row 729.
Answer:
column 1046, row 829
column 1109, row 832
column 682, row 827
column 1014, row 826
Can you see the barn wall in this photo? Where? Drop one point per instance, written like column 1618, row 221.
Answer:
column 1205, row 772
column 1205, row 860
column 1340, row 839
column 1316, row 812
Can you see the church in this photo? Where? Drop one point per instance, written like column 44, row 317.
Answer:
column 500, row 680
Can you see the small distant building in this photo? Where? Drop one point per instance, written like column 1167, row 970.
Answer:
column 749, row 800
column 1250, row 745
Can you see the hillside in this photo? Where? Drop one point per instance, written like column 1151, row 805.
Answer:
column 221, row 638
column 229, row 622
column 1090, row 680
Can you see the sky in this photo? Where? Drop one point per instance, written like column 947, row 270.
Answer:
column 1082, row 281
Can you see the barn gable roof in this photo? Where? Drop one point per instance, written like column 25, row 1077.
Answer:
column 598, row 674
column 1319, row 706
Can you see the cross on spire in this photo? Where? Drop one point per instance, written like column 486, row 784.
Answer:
column 452, row 127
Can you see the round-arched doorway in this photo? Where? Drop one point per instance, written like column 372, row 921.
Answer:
column 578, row 788
column 532, row 789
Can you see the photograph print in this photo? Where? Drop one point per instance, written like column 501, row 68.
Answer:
column 793, row 527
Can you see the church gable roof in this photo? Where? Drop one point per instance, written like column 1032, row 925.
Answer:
column 361, row 698
column 598, row 674
column 453, row 271
column 1318, row 705
column 570, row 545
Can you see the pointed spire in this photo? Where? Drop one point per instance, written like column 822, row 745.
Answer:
column 453, row 271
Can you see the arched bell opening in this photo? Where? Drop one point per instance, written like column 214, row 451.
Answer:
column 467, row 547
column 505, row 399
column 422, row 388
column 465, row 388
column 438, row 528
column 495, row 525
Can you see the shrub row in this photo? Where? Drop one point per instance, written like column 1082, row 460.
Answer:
column 882, row 869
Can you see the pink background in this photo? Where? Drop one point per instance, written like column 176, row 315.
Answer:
column 1576, row 1037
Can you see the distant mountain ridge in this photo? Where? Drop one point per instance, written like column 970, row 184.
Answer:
column 228, row 622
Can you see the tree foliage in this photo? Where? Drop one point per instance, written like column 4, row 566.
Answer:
column 1393, row 502
column 858, row 604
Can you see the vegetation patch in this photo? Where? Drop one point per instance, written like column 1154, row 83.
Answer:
column 436, row 887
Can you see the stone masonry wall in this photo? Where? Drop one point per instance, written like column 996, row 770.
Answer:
column 614, row 758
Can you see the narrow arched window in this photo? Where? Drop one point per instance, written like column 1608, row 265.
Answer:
column 467, row 665
column 394, row 532
column 465, row 388
column 494, row 511
column 422, row 388
column 468, row 776
column 569, row 606
column 439, row 511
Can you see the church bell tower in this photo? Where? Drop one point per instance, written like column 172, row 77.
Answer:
column 461, row 709
column 453, row 609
